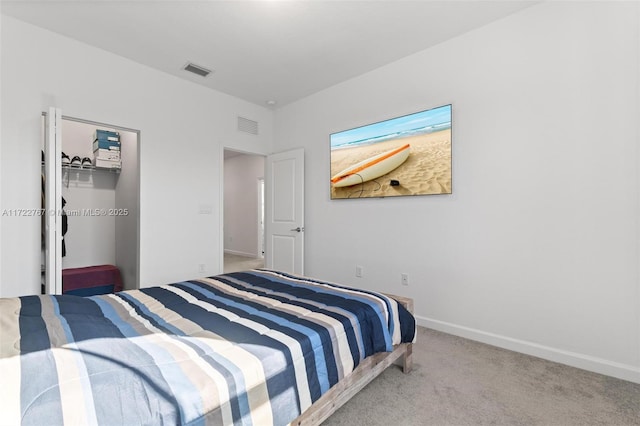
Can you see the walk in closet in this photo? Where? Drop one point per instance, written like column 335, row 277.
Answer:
column 95, row 194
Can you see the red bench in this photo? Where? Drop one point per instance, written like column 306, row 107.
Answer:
column 91, row 280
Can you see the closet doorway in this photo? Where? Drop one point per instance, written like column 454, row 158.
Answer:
column 243, row 200
column 100, row 192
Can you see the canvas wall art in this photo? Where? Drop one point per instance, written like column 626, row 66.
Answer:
column 401, row 156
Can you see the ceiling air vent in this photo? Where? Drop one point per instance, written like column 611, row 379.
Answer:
column 247, row 126
column 197, row 69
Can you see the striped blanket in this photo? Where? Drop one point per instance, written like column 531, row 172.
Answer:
column 246, row 348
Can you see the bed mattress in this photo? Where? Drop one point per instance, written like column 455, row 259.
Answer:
column 255, row 347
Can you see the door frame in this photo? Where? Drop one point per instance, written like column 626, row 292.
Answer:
column 53, row 284
column 261, row 215
column 224, row 148
column 53, row 201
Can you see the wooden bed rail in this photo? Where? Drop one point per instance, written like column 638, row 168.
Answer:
column 407, row 359
column 370, row 368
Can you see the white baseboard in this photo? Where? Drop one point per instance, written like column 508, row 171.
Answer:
column 585, row 362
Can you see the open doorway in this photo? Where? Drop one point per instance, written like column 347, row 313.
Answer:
column 243, row 199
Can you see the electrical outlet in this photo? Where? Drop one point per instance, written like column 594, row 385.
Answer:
column 202, row 267
column 404, row 278
column 359, row 271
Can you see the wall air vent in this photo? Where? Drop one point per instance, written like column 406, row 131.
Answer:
column 197, row 69
column 247, row 126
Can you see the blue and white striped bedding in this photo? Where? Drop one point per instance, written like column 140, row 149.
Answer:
column 247, row 348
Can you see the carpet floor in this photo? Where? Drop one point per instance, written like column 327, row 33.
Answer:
column 457, row 381
column 235, row 263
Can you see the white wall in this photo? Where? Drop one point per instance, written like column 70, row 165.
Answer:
column 241, row 204
column 182, row 125
column 537, row 247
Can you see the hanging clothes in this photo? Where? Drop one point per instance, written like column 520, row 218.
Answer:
column 65, row 227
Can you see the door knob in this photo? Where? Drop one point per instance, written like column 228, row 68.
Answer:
column 298, row 229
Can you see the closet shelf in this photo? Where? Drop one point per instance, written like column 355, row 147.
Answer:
column 70, row 167
column 89, row 168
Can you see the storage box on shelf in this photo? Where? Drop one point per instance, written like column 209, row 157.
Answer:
column 107, row 164
column 107, row 154
column 106, row 149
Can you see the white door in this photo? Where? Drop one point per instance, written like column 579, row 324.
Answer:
column 53, row 202
column 284, row 215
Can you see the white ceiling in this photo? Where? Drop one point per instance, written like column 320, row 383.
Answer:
column 263, row 50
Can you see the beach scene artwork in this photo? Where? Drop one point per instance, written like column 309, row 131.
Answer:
column 402, row 156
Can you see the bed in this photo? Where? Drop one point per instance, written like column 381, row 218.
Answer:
column 258, row 347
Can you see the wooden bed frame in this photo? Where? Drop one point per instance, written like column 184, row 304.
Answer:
column 370, row 368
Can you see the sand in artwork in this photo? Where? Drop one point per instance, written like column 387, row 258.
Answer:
column 426, row 171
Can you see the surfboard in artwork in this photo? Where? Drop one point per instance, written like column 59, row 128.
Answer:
column 372, row 168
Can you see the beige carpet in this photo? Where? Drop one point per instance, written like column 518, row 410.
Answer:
column 456, row 381
column 235, row 263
